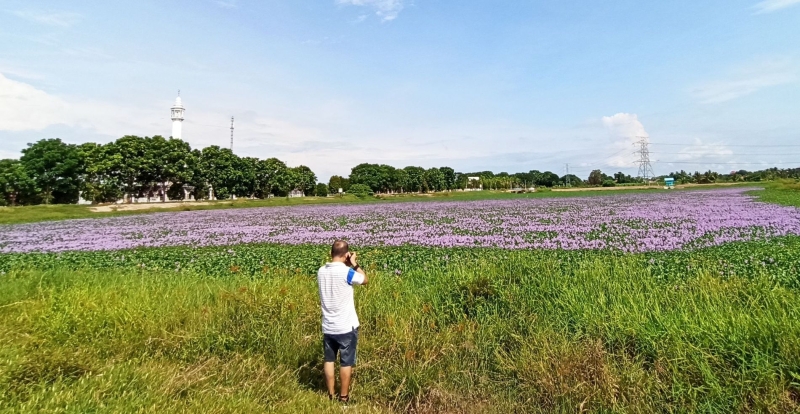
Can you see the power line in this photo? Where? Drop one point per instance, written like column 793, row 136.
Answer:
column 728, row 163
column 231, row 134
column 718, row 155
column 728, row 145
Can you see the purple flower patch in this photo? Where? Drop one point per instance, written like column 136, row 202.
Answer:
column 649, row 221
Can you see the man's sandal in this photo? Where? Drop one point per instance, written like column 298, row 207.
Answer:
column 344, row 399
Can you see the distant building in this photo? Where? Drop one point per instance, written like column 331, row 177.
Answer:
column 474, row 184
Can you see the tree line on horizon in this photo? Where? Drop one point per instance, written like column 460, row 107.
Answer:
column 51, row 171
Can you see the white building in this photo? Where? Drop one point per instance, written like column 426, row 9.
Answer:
column 177, row 117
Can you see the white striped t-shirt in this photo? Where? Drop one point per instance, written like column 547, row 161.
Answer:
column 336, row 282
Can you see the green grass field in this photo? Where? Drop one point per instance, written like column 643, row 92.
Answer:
column 236, row 329
column 477, row 331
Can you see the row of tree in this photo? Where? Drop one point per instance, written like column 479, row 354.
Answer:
column 710, row 177
column 382, row 178
column 51, row 171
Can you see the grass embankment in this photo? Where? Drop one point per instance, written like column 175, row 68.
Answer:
column 785, row 192
column 475, row 332
column 31, row 214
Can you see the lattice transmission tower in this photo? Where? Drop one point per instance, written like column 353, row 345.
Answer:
column 645, row 167
column 231, row 134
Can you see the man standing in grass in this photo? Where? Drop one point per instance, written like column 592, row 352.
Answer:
column 339, row 319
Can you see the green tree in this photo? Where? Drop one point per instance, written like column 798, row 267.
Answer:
column 321, row 190
column 219, row 168
column 572, row 179
column 100, row 183
column 415, row 178
column 400, row 180
column 125, row 157
column 304, row 179
column 165, row 161
column 15, row 182
column 375, row 176
column 55, row 167
column 336, row 182
column 548, row 179
column 367, row 174
column 272, row 177
column 434, row 179
column 249, row 185
column 449, row 178
column 595, row 177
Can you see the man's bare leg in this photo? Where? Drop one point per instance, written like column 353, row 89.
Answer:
column 330, row 377
column 344, row 375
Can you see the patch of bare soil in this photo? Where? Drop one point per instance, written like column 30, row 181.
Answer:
column 141, row 206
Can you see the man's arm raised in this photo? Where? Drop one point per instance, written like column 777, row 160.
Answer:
column 354, row 263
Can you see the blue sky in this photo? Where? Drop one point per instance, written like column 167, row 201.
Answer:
column 476, row 85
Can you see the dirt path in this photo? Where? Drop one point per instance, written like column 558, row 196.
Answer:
column 142, row 206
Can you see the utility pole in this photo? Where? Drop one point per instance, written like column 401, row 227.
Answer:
column 231, row 134
column 645, row 167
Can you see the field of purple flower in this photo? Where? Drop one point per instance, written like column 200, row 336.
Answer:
column 649, row 221
column 611, row 303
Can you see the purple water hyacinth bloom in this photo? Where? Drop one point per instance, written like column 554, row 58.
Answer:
column 647, row 221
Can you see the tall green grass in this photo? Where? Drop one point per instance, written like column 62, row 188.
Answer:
column 510, row 335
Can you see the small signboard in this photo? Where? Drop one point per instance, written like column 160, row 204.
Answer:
column 669, row 183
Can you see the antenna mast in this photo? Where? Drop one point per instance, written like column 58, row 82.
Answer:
column 231, row 134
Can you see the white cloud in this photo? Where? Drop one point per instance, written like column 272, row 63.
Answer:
column 768, row 6
column 746, row 81
column 26, row 108
column 386, row 10
column 625, row 130
column 50, row 18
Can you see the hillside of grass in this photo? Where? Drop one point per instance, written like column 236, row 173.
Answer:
column 458, row 330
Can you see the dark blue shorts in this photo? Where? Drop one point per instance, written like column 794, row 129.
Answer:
column 343, row 344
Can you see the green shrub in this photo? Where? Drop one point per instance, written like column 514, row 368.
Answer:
column 609, row 183
column 361, row 191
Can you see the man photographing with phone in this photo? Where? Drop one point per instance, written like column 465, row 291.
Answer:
column 339, row 319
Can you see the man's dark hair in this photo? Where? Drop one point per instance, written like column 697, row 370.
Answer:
column 339, row 248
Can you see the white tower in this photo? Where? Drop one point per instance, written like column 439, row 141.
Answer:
column 177, row 117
